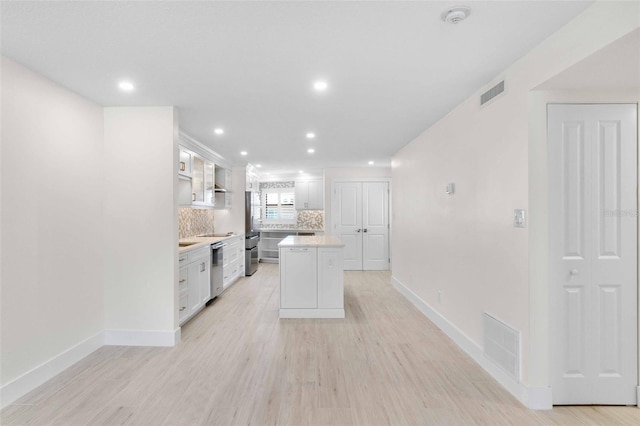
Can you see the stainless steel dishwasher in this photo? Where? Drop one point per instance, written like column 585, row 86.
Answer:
column 216, row 269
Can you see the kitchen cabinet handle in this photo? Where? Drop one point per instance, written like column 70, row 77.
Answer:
column 202, row 267
column 183, row 308
column 365, row 230
column 183, row 166
column 299, row 249
column 358, row 230
column 181, row 259
column 181, row 281
column 193, row 196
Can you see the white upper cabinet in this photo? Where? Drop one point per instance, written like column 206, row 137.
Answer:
column 185, row 164
column 202, row 183
column 309, row 194
column 252, row 182
column 223, row 188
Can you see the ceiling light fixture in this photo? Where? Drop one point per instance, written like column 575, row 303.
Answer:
column 126, row 86
column 371, row 163
column 311, row 135
column 243, row 152
column 300, row 171
column 218, row 131
column 311, row 150
column 258, row 165
column 320, row 86
column 455, row 15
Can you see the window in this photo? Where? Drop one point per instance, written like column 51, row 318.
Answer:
column 279, row 205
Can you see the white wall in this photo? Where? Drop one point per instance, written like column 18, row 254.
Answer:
column 52, row 221
column 141, row 241
column 332, row 174
column 468, row 247
column 232, row 220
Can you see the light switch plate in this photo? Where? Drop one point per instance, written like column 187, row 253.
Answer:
column 519, row 218
column 450, row 188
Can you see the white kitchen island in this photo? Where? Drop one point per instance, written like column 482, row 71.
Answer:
column 311, row 277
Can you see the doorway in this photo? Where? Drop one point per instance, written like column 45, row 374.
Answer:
column 361, row 221
column 593, row 238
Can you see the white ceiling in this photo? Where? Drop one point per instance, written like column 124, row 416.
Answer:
column 394, row 68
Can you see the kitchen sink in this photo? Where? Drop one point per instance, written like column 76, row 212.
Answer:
column 185, row 244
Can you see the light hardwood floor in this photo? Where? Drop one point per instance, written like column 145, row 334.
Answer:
column 385, row 363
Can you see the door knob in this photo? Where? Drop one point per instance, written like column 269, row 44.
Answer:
column 573, row 272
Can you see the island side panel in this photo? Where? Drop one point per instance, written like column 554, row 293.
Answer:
column 330, row 278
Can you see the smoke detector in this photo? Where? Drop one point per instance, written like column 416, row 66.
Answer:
column 455, row 14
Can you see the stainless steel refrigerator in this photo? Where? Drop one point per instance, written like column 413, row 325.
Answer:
column 252, row 235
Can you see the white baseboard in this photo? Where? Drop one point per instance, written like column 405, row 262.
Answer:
column 30, row 380
column 536, row 398
column 638, row 396
column 311, row 313
column 142, row 337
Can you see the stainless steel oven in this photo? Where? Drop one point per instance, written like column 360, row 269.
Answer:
column 251, row 253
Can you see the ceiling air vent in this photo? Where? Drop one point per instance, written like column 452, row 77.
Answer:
column 492, row 93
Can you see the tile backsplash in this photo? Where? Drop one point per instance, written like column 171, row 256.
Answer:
column 310, row 219
column 306, row 219
column 192, row 222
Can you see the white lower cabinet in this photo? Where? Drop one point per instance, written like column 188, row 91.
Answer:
column 311, row 282
column 233, row 260
column 183, row 294
column 194, row 282
column 298, row 278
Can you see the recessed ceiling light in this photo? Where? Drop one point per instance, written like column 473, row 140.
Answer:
column 300, row 171
column 371, row 163
column 311, row 150
column 311, row 135
column 126, row 86
column 320, row 86
column 258, row 165
column 455, row 15
column 218, row 131
column 243, row 152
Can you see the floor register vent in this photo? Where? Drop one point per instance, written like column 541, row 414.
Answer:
column 502, row 345
column 492, row 93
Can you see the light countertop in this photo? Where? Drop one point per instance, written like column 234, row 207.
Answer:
column 308, row 241
column 201, row 242
column 289, row 230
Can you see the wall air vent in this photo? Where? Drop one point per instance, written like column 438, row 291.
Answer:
column 492, row 93
column 502, row 345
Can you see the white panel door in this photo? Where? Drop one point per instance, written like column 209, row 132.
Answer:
column 348, row 222
column 375, row 226
column 593, row 253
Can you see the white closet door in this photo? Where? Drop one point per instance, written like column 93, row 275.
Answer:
column 593, row 253
column 348, row 222
column 375, row 226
